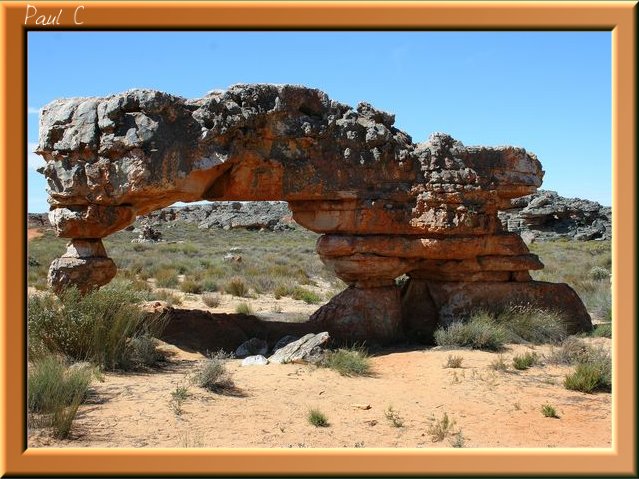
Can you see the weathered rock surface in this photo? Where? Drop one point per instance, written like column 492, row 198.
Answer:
column 252, row 347
column 546, row 216
column 307, row 349
column 387, row 206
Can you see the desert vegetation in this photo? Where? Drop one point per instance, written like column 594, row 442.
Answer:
column 74, row 341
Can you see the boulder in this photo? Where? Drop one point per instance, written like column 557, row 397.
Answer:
column 252, row 347
column 257, row 360
column 307, row 349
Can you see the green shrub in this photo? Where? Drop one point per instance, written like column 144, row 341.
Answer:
column 548, row 411
column 190, row 286
column 598, row 273
column 306, row 295
column 317, row 418
column 480, row 332
column 349, row 362
column 524, row 361
column 531, row 324
column 593, row 375
column 213, row 374
column 602, row 330
column 98, row 327
column 236, row 287
column 166, row 278
column 244, row 308
column 55, row 391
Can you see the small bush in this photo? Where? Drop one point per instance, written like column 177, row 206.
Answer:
column 212, row 300
column 480, row 332
column 441, row 428
column 349, row 362
column 525, row 361
column 244, row 308
column 56, row 391
column 317, row 418
column 588, row 377
column 571, row 351
column 548, row 411
column 598, row 273
column 394, row 417
column 306, row 295
column 166, row 278
column 236, row 287
column 98, row 327
column 530, row 324
column 602, row 331
column 165, row 295
column 213, row 374
column 454, row 361
column 178, row 397
column 190, row 286
column 499, row 364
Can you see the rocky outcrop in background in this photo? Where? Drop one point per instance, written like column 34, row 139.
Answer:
column 547, row 216
column 542, row 216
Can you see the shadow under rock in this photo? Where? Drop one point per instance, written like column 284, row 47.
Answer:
column 193, row 330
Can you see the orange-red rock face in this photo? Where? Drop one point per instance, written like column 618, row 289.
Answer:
column 387, row 206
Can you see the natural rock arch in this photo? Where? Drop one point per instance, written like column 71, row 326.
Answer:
column 385, row 205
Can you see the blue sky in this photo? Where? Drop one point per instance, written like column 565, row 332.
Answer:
column 548, row 92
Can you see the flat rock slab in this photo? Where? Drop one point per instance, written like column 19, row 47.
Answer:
column 305, row 350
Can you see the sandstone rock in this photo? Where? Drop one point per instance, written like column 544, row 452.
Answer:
column 362, row 314
column 439, row 303
column 83, row 273
column 545, row 216
column 307, row 349
column 387, row 205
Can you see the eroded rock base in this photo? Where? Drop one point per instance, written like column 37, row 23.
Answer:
column 427, row 305
column 362, row 315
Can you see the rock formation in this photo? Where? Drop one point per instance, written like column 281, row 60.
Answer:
column 546, row 215
column 385, row 205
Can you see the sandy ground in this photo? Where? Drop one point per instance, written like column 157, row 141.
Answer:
column 270, row 405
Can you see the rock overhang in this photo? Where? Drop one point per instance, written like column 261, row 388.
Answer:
column 346, row 172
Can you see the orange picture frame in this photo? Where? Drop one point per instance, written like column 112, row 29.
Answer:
column 618, row 17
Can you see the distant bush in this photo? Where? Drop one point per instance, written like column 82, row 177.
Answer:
column 571, row 351
column 236, row 287
column 602, row 330
column 306, row 295
column 598, row 273
column 348, row 362
column 454, row 361
column 55, row 391
column 244, row 308
column 190, row 286
column 212, row 300
column 99, row 327
column 480, row 332
column 166, row 295
column 166, row 278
